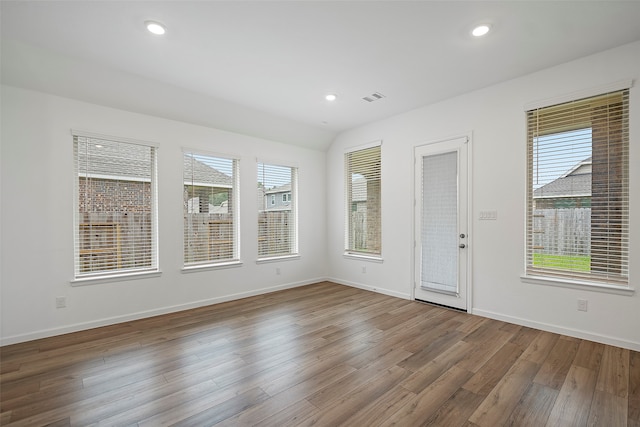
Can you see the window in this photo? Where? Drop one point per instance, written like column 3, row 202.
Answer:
column 277, row 223
column 115, row 200
column 210, row 207
column 578, row 190
column 363, row 234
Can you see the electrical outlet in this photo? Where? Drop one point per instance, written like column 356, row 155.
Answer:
column 61, row 302
column 364, row 269
column 582, row 305
column 278, row 271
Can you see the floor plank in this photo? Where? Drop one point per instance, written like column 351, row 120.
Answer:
column 614, row 372
column 574, row 400
column 504, row 397
column 556, row 366
column 428, row 401
column 607, row 410
column 456, row 410
column 534, row 407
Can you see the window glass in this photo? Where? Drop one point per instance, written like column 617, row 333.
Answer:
column 363, row 193
column 577, row 210
column 277, row 219
column 210, row 207
column 115, row 216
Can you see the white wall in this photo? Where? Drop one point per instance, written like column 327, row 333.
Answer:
column 37, row 218
column 37, row 205
column 495, row 116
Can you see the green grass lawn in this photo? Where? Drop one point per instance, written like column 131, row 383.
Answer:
column 564, row 262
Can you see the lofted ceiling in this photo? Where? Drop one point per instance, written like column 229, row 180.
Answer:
column 263, row 68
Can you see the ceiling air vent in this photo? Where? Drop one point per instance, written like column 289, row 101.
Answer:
column 373, row 97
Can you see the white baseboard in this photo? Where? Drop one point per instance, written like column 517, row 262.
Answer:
column 45, row 333
column 576, row 333
column 370, row 288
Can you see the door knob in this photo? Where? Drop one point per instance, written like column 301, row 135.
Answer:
column 462, row 236
column 462, row 246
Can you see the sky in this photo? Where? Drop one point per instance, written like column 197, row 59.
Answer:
column 556, row 154
column 273, row 176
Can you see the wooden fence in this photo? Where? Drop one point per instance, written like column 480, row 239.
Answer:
column 208, row 237
column 562, row 231
column 275, row 233
column 358, row 230
column 114, row 240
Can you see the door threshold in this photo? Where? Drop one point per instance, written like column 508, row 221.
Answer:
column 441, row 305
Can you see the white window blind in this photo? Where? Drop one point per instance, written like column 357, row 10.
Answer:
column 578, row 190
column 363, row 231
column 115, row 217
column 210, row 207
column 277, row 211
column 440, row 222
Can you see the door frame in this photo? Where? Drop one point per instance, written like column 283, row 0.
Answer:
column 470, row 234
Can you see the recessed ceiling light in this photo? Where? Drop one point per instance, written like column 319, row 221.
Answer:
column 155, row 27
column 481, row 30
column 331, row 97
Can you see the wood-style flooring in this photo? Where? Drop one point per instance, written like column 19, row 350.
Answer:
column 322, row 355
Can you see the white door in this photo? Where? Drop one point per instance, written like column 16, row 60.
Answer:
column 441, row 222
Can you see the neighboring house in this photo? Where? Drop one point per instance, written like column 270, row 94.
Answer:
column 278, row 198
column 200, row 187
column 112, row 178
column 114, row 173
column 572, row 190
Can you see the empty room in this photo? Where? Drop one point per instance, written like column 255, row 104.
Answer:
column 296, row 213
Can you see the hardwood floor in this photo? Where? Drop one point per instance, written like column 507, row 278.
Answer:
column 322, row 355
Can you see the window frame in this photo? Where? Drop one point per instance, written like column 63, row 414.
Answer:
column 350, row 252
column 565, row 277
column 121, row 274
column 294, row 249
column 235, row 259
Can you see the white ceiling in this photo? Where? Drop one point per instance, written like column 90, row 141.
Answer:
column 263, row 67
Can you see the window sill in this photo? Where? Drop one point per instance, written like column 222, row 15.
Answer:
column 277, row 259
column 94, row 280
column 207, row 267
column 361, row 257
column 576, row 284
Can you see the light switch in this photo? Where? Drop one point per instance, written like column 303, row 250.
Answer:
column 489, row 215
